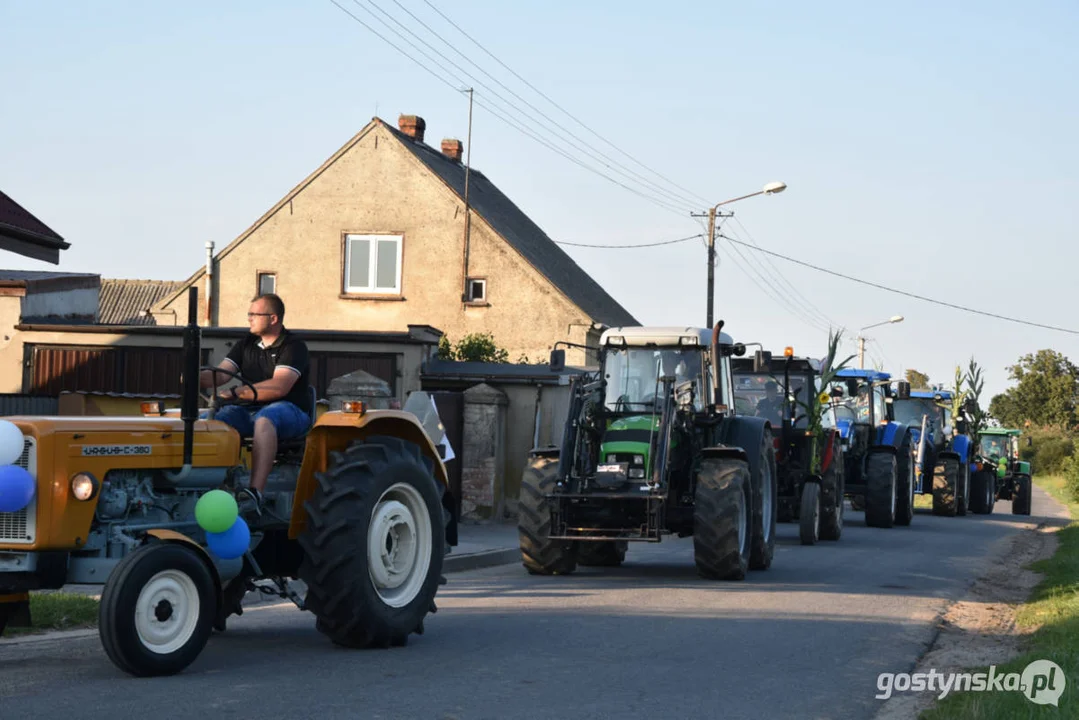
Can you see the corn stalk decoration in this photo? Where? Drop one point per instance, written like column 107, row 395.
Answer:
column 959, row 395
column 977, row 416
column 815, row 411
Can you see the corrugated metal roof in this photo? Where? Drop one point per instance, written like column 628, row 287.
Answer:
column 123, row 302
column 34, row 275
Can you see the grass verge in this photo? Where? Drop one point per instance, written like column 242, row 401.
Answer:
column 1053, row 609
column 58, row 611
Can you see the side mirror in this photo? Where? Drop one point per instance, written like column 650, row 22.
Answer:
column 739, row 350
column 852, row 387
column 558, row 360
column 837, row 392
column 903, row 388
column 762, row 360
column 961, row 426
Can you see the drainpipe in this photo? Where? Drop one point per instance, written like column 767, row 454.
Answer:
column 209, row 283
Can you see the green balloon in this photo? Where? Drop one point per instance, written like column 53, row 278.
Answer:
column 216, row 511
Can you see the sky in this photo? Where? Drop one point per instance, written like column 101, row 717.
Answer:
column 928, row 147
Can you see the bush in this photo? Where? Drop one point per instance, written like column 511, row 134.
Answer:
column 1070, row 470
column 1050, row 453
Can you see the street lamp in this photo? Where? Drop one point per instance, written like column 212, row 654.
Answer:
column 771, row 188
column 861, row 340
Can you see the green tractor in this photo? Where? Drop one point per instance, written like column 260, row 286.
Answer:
column 1001, row 475
column 652, row 448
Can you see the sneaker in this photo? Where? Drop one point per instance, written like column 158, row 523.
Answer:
column 249, row 499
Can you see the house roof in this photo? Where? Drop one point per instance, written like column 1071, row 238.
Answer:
column 24, row 234
column 509, row 221
column 487, row 201
column 123, row 302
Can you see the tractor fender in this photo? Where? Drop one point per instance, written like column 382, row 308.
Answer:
column 171, row 536
column 544, row 452
column 949, row 455
column 961, row 446
column 731, row 453
column 746, row 433
column 891, row 434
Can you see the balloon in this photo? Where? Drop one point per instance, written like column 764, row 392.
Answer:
column 16, row 488
column 11, row 442
column 216, row 511
column 232, row 543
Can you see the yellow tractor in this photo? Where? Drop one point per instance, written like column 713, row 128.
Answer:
column 358, row 510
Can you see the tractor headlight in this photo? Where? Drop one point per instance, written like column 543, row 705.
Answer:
column 84, row 486
column 638, row 459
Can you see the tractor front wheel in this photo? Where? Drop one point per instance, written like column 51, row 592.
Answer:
column 880, row 491
column 540, row 554
column 945, row 482
column 982, row 486
column 765, row 495
column 905, row 477
column 809, row 524
column 374, row 543
column 157, row 610
column 831, row 523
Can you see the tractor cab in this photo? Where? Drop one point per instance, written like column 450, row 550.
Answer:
column 927, row 411
column 859, row 403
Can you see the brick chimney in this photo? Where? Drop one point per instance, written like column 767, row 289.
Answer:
column 453, row 148
column 412, row 125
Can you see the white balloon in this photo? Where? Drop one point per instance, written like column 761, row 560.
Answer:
column 11, row 442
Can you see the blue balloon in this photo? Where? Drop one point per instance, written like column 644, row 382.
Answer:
column 232, row 543
column 16, row 488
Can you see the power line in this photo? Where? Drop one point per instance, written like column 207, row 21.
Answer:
column 659, row 203
column 623, row 247
column 567, row 113
column 904, row 292
column 765, row 291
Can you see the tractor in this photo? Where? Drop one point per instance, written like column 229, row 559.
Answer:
column 1002, row 475
column 944, row 455
column 357, row 510
column 878, row 451
column 809, row 466
column 651, row 447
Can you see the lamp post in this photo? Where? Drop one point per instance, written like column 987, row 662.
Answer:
column 861, row 340
column 771, row 188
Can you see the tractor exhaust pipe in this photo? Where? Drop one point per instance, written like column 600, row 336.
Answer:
column 189, row 403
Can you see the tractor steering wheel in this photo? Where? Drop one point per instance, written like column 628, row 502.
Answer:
column 211, row 397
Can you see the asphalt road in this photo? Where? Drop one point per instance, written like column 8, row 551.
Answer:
column 805, row 639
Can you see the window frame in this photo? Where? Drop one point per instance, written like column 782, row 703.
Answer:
column 259, row 274
column 481, row 300
column 372, row 290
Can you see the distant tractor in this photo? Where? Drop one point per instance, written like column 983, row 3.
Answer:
column 945, row 452
column 1003, row 476
column 651, row 448
column 357, row 509
column 785, row 392
column 879, row 452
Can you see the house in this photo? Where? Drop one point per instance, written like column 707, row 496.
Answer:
column 24, row 234
column 378, row 238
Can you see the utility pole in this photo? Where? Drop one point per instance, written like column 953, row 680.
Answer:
column 861, row 353
column 711, row 262
column 468, row 214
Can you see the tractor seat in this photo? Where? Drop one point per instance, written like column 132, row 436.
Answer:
column 287, row 447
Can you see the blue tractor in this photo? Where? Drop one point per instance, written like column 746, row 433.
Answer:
column 879, row 452
column 944, row 450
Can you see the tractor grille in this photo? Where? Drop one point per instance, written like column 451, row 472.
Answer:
column 21, row 527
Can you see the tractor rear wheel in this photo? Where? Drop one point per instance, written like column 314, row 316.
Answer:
column 831, row 523
column 962, row 490
column 721, row 519
column 601, row 554
column 374, row 543
column 765, row 495
column 982, row 485
column 905, row 477
column 540, row 554
column 881, row 469
column 945, row 479
column 809, row 524
column 1024, row 490
column 157, row 609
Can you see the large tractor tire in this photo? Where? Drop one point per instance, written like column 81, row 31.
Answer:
column 945, row 481
column 982, row 486
column 374, row 543
column 540, row 554
column 765, row 497
column 906, row 478
column 880, row 487
column 832, row 487
column 809, row 520
column 157, row 609
column 962, row 489
column 722, row 519
column 1023, row 492
column 601, row 554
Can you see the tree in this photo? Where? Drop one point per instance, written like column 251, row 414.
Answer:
column 1047, row 384
column 917, row 380
column 474, row 347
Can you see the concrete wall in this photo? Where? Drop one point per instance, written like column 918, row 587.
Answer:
column 376, row 185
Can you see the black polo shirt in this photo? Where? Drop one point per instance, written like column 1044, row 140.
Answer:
column 257, row 363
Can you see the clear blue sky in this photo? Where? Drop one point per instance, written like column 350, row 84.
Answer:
column 928, row 146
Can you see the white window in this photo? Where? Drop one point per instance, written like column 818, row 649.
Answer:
column 373, row 264
column 477, row 290
column 267, row 283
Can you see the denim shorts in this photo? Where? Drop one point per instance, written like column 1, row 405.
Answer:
column 288, row 419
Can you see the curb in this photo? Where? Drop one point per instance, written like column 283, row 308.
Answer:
column 484, row 559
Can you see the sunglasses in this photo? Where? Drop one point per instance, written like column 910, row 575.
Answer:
column 251, row 315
